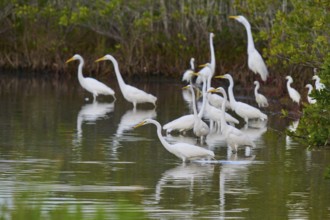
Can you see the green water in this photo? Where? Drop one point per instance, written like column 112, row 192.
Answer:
column 59, row 151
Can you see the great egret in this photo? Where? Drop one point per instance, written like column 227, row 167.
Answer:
column 234, row 137
column 186, row 122
column 130, row 93
column 260, row 98
column 200, row 129
column 242, row 109
column 255, row 61
column 90, row 84
column 199, row 80
column 184, row 151
column 318, row 84
column 212, row 112
column 310, row 99
column 294, row 95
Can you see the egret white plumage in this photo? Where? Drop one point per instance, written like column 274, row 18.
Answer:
column 234, row 137
column 184, row 151
column 130, row 93
column 242, row 109
column 318, row 84
column 260, row 98
column 255, row 61
column 294, row 94
column 90, row 84
column 200, row 129
column 310, row 99
column 212, row 63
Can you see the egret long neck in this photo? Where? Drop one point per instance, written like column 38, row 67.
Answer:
column 250, row 46
column 223, row 110
column 212, row 55
column 256, row 89
column 160, row 136
column 121, row 82
column 232, row 99
column 80, row 67
column 193, row 99
column 201, row 112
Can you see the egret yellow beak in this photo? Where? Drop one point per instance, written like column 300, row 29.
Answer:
column 195, row 74
column 222, row 77
column 212, row 90
column 233, row 17
column 71, row 59
column 140, row 124
column 100, row 59
column 186, row 87
column 203, row 65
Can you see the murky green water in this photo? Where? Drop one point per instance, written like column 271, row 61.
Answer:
column 59, row 149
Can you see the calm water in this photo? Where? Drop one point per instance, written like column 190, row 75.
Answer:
column 61, row 149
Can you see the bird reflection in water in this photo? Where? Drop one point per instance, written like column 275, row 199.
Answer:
column 90, row 113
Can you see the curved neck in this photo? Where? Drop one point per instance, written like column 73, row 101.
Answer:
column 288, row 83
column 231, row 93
column 160, row 136
column 212, row 54
column 80, row 67
column 249, row 36
column 256, row 89
column 119, row 77
column 223, row 110
column 193, row 98
column 309, row 90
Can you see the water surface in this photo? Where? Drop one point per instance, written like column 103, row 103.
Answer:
column 61, row 149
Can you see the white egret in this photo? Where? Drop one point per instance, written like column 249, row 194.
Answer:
column 318, row 84
column 242, row 109
column 212, row 112
column 294, row 95
column 186, row 122
column 255, row 61
column 90, row 84
column 200, row 129
column 184, row 151
column 310, row 99
column 260, row 98
column 130, row 93
column 234, row 137
column 199, row 80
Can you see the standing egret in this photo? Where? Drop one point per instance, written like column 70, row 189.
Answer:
column 234, row 137
column 186, row 152
column 318, row 84
column 90, row 84
column 260, row 98
column 294, row 95
column 199, row 79
column 200, row 129
column 242, row 109
column 310, row 99
column 130, row 93
column 186, row 122
column 255, row 61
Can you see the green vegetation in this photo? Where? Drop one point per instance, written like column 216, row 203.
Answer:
column 159, row 38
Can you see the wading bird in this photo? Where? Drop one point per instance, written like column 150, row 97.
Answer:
column 260, row 98
column 130, row 93
column 90, row 84
column 294, row 95
column 310, row 99
column 234, row 137
column 242, row 109
column 184, row 151
column 255, row 61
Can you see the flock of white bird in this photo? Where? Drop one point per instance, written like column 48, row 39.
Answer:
column 213, row 107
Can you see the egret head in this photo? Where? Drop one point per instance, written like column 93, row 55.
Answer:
column 239, row 18
column 186, row 87
column 315, row 77
column 256, row 83
column 106, row 57
column 75, row 57
column 289, row 78
column 212, row 35
column 144, row 122
column 188, row 75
